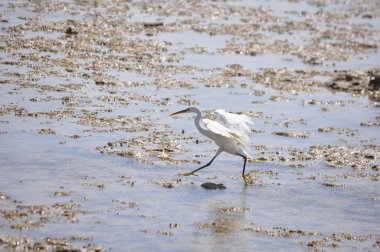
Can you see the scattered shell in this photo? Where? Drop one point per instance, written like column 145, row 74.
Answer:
column 47, row 131
column 62, row 194
column 297, row 134
column 4, row 196
column 168, row 183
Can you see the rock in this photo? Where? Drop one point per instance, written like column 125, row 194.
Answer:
column 70, row 31
column 374, row 84
column 213, row 186
column 153, row 24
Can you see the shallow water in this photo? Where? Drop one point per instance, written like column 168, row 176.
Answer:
column 60, row 109
column 287, row 201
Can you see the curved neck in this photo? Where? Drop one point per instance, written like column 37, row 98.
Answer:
column 197, row 122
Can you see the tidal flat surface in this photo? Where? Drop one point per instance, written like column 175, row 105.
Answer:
column 89, row 156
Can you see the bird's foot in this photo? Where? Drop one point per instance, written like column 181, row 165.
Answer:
column 246, row 179
column 187, row 174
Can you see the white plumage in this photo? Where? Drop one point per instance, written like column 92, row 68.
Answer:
column 239, row 124
column 233, row 136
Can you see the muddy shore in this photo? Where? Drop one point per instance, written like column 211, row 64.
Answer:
column 89, row 156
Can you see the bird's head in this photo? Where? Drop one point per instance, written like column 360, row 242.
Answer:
column 188, row 110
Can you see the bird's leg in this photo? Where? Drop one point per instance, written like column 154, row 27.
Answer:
column 244, row 176
column 193, row 172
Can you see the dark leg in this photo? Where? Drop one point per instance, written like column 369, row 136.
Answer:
column 245, row 162
column 193, row 172
column 243, row 175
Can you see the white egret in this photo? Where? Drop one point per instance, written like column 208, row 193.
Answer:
column 233, row 137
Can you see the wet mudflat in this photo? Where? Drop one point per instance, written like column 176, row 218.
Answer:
column 89, row 156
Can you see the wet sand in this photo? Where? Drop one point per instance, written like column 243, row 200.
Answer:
column 89, row 155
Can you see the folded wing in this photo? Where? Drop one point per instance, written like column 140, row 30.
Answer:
column 218, row 129
column 237, row 124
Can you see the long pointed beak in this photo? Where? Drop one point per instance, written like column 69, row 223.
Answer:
column 178, row 112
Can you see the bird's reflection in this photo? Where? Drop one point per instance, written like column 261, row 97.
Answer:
column 226, row 219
